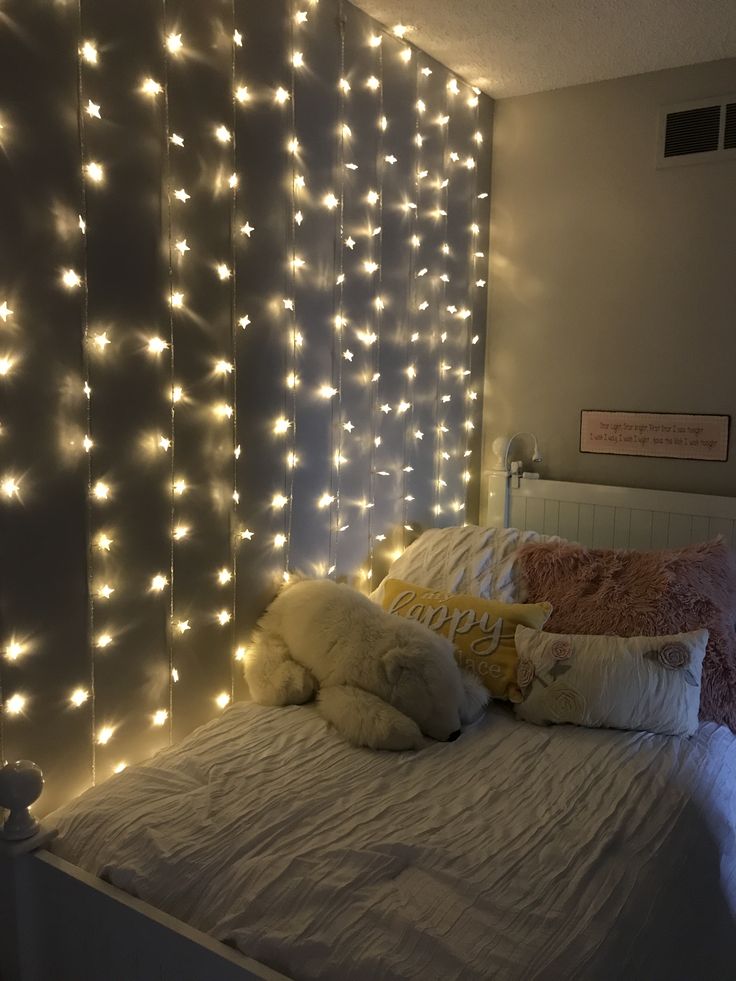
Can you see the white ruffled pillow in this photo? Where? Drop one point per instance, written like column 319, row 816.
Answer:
column 650, row 684
column 469, row 559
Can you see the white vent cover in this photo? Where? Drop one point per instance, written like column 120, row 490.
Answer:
column 696, row 132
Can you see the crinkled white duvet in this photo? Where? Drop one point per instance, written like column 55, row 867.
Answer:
column 514, row 853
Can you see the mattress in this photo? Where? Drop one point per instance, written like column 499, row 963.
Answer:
column 515, row 852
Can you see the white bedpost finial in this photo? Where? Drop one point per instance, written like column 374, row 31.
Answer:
column 21, row 784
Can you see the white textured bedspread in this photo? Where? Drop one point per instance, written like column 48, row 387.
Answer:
column 514, row 853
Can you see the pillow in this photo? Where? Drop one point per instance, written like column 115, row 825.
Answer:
column 467, row 559
column 630, row 594
column 646, row 683
column 481, row 630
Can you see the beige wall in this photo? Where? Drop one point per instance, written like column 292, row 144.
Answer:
column 613, row 284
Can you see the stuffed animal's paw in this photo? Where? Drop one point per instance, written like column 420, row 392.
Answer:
column 274, row 678
column 366, row 720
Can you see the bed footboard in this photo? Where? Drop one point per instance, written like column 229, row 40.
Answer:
column 68, row 925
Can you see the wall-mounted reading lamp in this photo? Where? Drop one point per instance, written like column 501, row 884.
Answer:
column 497, row 514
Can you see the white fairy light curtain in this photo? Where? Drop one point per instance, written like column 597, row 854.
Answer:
column 242, row 303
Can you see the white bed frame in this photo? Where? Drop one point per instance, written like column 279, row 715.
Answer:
column 58, row 923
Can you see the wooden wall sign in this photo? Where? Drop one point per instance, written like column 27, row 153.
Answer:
column 680, row 436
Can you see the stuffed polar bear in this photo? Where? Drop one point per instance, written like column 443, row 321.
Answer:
column 382, row 681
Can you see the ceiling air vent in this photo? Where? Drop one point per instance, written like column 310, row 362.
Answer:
column 696, row 132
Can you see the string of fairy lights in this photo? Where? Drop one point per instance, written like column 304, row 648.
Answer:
column 353, row 442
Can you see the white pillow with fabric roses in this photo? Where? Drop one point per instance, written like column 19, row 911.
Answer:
column 650, row 684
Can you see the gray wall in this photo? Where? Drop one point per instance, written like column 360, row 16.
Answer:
column 613, row 283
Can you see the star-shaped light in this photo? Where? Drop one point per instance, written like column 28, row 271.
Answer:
column 348, row 355
column 348, row 426
column 176, row 140
column 93, row 110
column 182, row 247
column 246, row 535
column 244, row 321
column 419, row 434
column 350, row 242
column 5, row 312
column 181, row 195
column 247, row 229
column 386, row 408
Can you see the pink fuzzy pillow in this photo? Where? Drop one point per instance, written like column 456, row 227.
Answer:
column 628, row 594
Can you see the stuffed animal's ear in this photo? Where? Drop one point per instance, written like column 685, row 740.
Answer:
column 395, row 660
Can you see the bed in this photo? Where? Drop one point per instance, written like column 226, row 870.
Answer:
column 262, row 846
column 516, row 852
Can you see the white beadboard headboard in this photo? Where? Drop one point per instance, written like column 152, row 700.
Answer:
column 620, row 517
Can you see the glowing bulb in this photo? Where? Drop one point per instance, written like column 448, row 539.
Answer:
column 297, row 262
column 375, row 40
column 10, row 487
column 223, row 134
column 179, row 487
column 151, row 87
column 177, row 300
column 181, row 195
column 101, row 491
column 70, row 279
column 176, row 140
column 88, row 51
column 370, row 267
column 281, row 95
column 104, row 735
column 15, row 704
column 180, row 532
column 182, row 247
column 242, row 94
column 281, row 426
column 330, row 201
column 119, row 767
column 159, row 717
column 101, row 341
column 103, row 640
column 174, row 43
column 244, row 321
column 105, row 591
column 246, row 535
column 279, row 541
column 14, row 650
column 92, row 110
column 223, row 271
column 293, row 145
column 383, row 123
column 453, row 86
column 78, row 697
column 325, row 500
column 156, row 345
column 400, row 30
column 297, row 59
column 372, row 197
column 327, row 391
column 103, row 542
column 372, row 83
column 223, row 617
column 223, row 700
column 478, row 137
column 224, row 576
column 238, row 39
column 473, row 101
column 158, row 583
column 177, row 393
column 279, row 501
column 406, row 55
column 182, row 626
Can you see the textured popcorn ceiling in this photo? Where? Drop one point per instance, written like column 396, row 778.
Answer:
column 513, row 47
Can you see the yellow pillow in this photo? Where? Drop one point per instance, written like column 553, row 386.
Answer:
column 481, row 630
